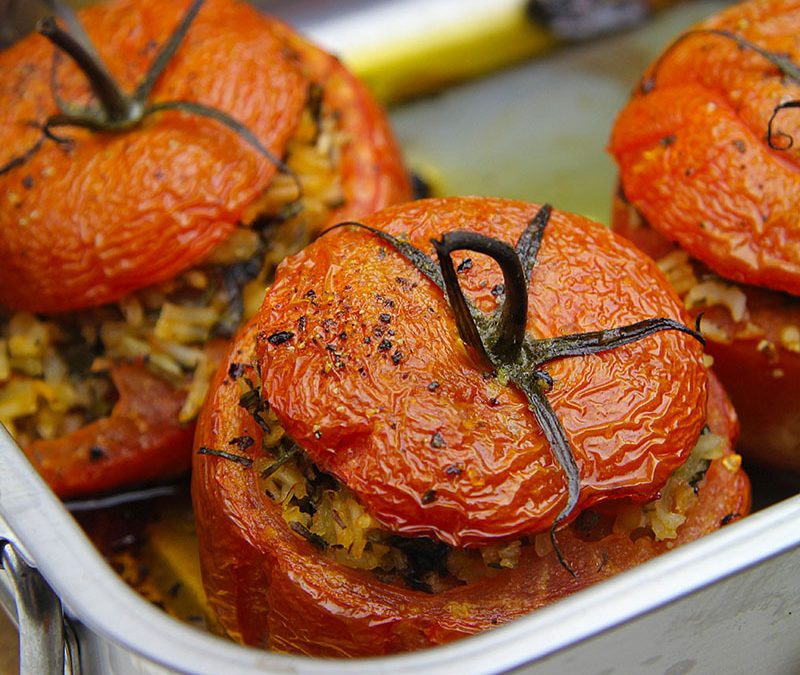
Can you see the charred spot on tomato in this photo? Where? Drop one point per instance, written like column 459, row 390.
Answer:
column 591, row 525
column 464, row 265
column 429, row 496
column 97, row 453
column 236, row 370
column 729, row 518
column 242, row 442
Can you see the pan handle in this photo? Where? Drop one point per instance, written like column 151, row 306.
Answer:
column 47, row 643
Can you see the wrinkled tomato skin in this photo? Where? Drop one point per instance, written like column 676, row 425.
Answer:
column 272, row 588
column 762, row 383
column 354, row 385
column 693, row 153
column 133, row 209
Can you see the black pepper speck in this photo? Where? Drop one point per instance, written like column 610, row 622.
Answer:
column 429, row 496
column 280, row 337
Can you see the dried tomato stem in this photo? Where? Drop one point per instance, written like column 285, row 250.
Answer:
column 233, row 124
column 593, row 342
column 562, row 451
column 514, row 314
column 520, row 355
column 24, row 157
column 531, row 239
column 68, row 16
column 117, row 106
column 246, row 462
column 455, row 296
column 421, row 261
column 118, row 111
column 771, row 134
column 166, row 53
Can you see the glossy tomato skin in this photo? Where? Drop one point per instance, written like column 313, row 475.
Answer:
column 759, row 368
column 117, row 212
column 133, row 209
column 693, row 153
column 273, row 589
column 379, row 390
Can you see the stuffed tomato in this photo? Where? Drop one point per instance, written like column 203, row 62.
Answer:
column 447, row 416
column 710, row 186
column 158, row 160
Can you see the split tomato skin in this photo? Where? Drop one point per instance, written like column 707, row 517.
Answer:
column 377, row 387
column 693, row 152
column 273, row 589
column 109, row 213
column 141, row 440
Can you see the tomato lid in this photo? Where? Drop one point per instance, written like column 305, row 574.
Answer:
column 708, row 146
column 96, row 215
column 362, row 362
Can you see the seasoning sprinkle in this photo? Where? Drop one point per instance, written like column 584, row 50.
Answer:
column 280, row 337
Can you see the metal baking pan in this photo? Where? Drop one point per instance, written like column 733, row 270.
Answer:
column 729, row 602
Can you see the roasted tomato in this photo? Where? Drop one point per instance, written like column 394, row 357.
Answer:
column 158, row 160
column 710, row 185
column 382, row 466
